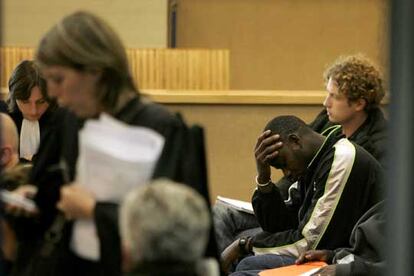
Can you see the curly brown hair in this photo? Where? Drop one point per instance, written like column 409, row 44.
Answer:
column 357, row 78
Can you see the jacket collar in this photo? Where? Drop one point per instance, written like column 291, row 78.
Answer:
column 374, row 124
column 333, row 134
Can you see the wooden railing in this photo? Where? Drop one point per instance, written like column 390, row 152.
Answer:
column 9, row 58
column 183, row 69
column 238, row 97
column 234, row 97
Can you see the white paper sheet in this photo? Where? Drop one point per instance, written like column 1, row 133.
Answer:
column 113, row 159
column 243, row 206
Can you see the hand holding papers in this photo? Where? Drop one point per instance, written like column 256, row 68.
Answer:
column 113, row 159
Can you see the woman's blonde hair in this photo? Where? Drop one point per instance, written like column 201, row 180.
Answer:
column 85, row 42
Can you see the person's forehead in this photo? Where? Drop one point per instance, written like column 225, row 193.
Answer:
column 332, row 85
column 36, row 94
column 334, row 89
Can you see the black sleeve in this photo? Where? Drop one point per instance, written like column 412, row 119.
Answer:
column 281, row 223
column 283, row 185
column 106, row 220
column 272, row 213
column 360, row 267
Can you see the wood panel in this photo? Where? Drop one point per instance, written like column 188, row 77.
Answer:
column 158, row 68
column 198, row 69
column 9, row 58
column 249, row 97
column 284, row 44
column 241, row 97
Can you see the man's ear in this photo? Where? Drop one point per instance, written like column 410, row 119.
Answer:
column 6, row 155
column 294, row 141
column 360, row 104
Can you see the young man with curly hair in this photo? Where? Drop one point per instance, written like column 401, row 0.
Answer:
column 355, row 90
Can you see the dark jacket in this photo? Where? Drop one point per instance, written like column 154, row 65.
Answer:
column 137, row 113
column 372, row 135
column 65, row 132
column 45, row 123
column 341, row 183
column 367, row 244
column 182, row 160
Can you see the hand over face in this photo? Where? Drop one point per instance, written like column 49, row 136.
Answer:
column 267, row 148
column 76, row 202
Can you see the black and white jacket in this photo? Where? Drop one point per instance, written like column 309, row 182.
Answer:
column 340, row 184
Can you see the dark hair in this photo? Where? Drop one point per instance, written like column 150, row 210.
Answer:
column 83, row 41
column 23, row 79
column 285, row 125
column 357, row 78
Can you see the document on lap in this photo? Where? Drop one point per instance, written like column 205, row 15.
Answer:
column 113, row 159
column 306, row 269
column 243, row 206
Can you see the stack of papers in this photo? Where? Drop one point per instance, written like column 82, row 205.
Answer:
column 113, row 159
column 243, row 206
